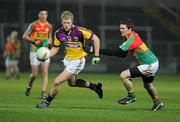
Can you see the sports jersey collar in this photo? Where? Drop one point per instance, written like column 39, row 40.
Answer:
column 42, row 22
column 129, row 34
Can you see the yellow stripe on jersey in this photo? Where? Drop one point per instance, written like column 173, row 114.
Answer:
column 143, row 47
column 86, row 32
column 56, row 41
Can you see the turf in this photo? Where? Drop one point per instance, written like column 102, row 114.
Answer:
column 83, row 105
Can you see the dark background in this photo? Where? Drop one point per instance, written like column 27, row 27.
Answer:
column 157, row 21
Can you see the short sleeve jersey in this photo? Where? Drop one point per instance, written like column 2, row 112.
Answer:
column 40, row 32
column 73, row 41
column 138, row 49
column 9, row 47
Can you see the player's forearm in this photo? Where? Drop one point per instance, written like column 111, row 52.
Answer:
column 27, row 38
column 96, row 46
column 106, row 52
column 54, row 51
column 114, row 52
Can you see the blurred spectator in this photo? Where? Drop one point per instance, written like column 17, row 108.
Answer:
column 17, row 45
column 9, row 55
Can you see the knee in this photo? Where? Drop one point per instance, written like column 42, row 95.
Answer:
column 71, row 84
column 34, row 75
column 56, row 82
column 44, row 72
column 122, row 75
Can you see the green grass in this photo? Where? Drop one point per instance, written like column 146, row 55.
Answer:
column 83, row 105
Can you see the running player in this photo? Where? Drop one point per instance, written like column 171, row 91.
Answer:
column 39, row 35
column 147, row 68
column 73, row 38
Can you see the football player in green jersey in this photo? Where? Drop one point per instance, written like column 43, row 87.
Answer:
column 147, row 68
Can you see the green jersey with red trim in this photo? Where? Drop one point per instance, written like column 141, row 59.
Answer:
column 138, row 49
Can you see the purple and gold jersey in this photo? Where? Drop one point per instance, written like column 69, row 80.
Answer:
column 73, row 41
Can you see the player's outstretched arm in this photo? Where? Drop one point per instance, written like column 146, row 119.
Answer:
column 114, row 52
column 96, row 58
column 96, row 45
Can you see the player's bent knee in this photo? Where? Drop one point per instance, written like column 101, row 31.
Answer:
column 72, row 85
column 45, row 72
column 122, row 75
column 57, row 82
column 35, row 76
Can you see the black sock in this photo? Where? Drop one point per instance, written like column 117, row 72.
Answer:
column 92, row 86
column 131, row 94
column 49, row 99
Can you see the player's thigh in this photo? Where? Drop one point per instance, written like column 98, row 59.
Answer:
column 125, row 74
column 63, row 76
column 135, row 72
column 72, row 80
column 74, row 66
column 35, row 69
column 44, row 67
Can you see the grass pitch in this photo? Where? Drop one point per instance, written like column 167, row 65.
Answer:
column 83, row 105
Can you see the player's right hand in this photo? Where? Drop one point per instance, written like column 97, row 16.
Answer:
column 95, row 60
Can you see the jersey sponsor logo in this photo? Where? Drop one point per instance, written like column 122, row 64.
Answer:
column 47, row 29
column 72, row 45
column 63, row 39
column 37, row 29
column 69, row 38
column 40, row 35
column 75, row 39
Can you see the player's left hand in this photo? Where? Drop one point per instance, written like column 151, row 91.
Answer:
column 37, row 42
column 95, row 60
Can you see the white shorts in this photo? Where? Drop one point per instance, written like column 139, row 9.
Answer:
column 149, row 69
column 9, row 62
column 15, row 62
column 74, row 66
column 33, row 59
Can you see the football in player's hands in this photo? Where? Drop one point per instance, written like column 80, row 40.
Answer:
column 43, row 53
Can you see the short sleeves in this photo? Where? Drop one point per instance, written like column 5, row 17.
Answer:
column 56, row 41
column 30, row 27
column 127, row 45
column 87, row 34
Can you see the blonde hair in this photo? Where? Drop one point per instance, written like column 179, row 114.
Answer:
column 14, row 33
column 67, row 15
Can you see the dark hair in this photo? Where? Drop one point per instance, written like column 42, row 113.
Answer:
column 128, row 22
column 43, row 9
